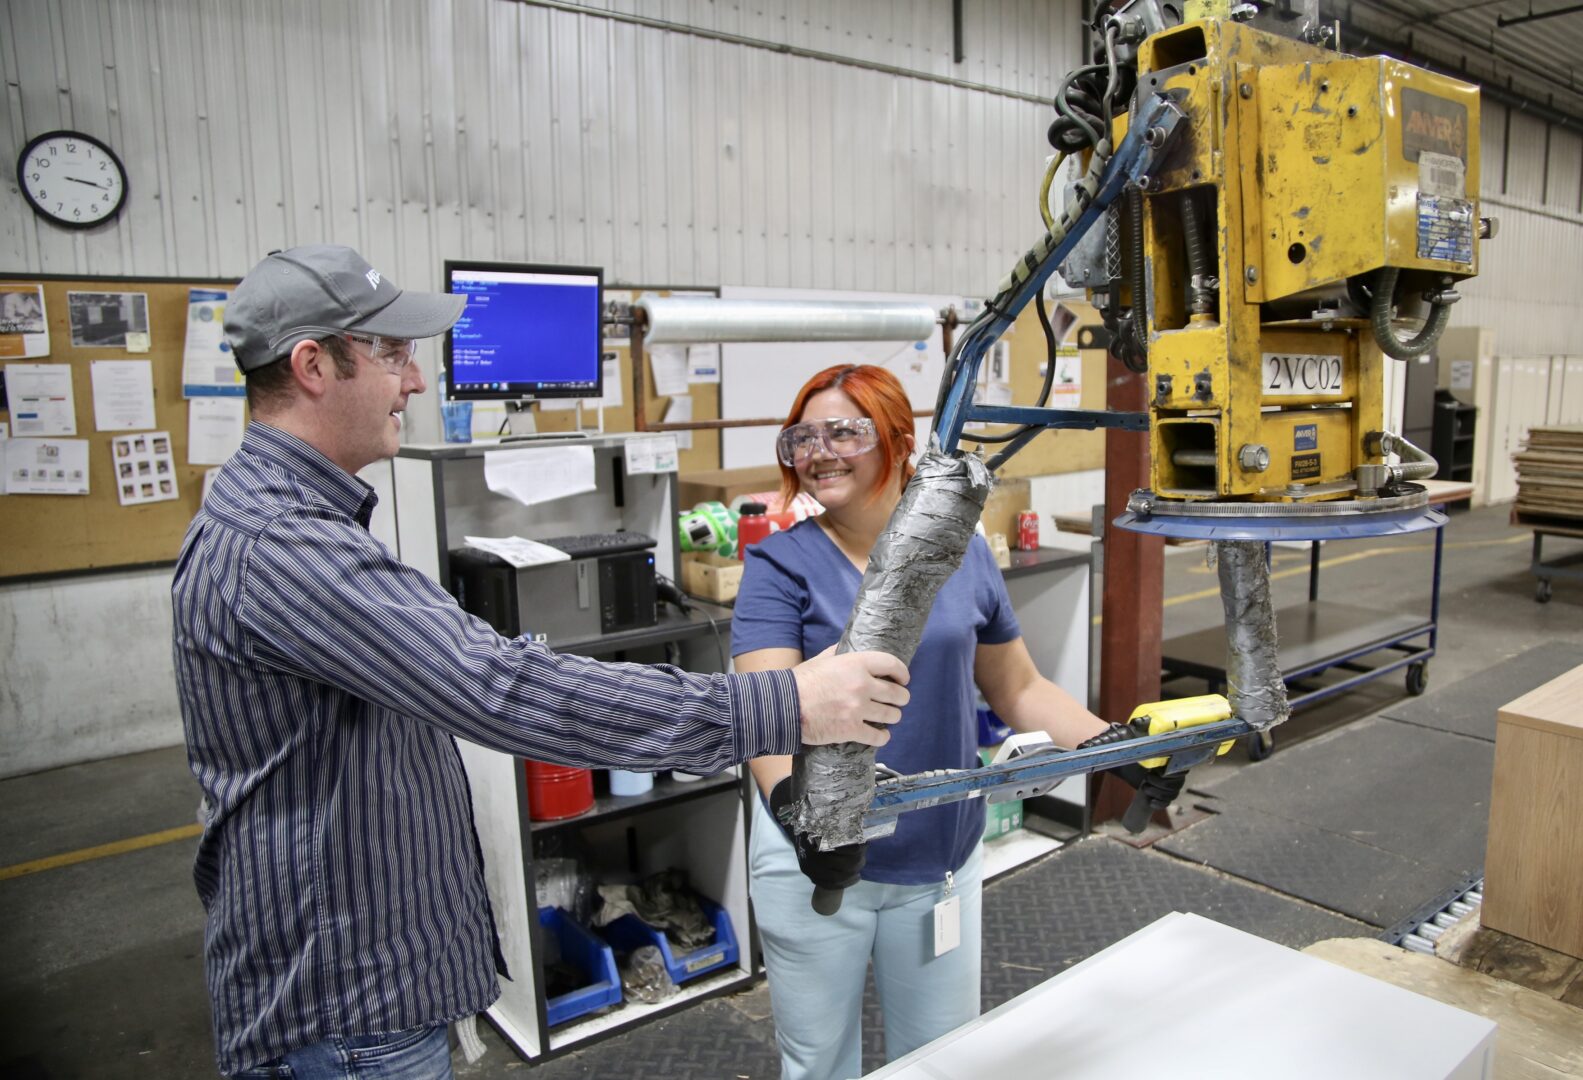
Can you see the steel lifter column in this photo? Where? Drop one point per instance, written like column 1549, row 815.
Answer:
column 1134, row 590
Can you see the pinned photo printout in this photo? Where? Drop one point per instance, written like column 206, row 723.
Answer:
column 46, row 466
column 145, row 468
column 108, row 320
column 24, row 331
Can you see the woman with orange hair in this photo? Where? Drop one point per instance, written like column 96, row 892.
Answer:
column 848, row 442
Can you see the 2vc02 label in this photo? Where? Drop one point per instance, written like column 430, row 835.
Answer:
column 1301, row 375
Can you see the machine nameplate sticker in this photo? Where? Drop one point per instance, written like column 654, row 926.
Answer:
column 1301, row 375
column 1433, row 123
column 1445, row 229
column 1305, row 437
column 1305, row 466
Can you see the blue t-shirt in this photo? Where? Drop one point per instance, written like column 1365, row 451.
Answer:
column 797, row 591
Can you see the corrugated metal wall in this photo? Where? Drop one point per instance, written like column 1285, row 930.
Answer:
column 1527, row 285
column 418, row 130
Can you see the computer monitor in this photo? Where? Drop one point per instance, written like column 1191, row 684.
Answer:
column 527, row 332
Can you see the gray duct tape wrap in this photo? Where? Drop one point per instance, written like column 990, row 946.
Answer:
column 683, row 319
column 1253, row 676
column 921, row 547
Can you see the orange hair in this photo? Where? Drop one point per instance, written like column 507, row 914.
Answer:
column 882, row 398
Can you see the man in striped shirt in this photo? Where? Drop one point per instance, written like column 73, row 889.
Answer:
column 322, row 684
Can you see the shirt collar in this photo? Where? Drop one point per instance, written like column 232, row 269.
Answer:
column 347, row 493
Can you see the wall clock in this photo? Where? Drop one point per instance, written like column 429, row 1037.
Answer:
column 71, row 179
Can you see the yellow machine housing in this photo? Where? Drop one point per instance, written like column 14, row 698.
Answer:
column 1311, row 170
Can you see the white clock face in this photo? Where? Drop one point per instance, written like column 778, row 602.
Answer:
column 72, row 179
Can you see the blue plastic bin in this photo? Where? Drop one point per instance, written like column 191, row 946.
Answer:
column 582, row 949
column 630, row 932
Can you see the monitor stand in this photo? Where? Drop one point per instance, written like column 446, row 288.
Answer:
column 521, row 427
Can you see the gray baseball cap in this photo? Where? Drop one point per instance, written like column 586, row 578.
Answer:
column 321, row 289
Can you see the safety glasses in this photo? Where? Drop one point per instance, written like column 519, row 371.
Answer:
column 395, row 355
column 841, row 437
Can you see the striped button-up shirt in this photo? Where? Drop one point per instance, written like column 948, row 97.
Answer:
column 321, row 682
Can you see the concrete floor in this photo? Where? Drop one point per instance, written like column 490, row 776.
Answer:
column 103, row 972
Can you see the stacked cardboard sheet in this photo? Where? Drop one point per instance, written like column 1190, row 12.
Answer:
column 1550, row 472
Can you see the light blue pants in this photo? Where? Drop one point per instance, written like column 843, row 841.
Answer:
column 816, row 964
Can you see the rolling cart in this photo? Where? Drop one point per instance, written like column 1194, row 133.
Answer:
column 1567, row 567
column 1320, row 635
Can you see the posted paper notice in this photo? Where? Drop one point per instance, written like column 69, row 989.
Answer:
column 24, row 331
column 42, row 400
column 46, row 466
column 123, row 395
column 214, row 429
column 208, row 368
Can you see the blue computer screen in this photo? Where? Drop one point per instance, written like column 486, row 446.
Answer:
column 525, row 332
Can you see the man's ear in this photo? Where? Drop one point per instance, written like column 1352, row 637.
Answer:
column 312, row 367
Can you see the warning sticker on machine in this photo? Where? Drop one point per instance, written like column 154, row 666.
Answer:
column 1305, row 466
column 1301, row 375
column 1445, row 228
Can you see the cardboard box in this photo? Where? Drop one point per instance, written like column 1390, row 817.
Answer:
column 710, row 576
column 1533, row 867
column 723, row 485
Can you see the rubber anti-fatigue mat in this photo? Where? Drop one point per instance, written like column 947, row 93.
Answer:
column 1469, row 706
column 1329, row 869
column 1409, row 790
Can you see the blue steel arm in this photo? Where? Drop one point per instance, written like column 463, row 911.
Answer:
column 1132, row 160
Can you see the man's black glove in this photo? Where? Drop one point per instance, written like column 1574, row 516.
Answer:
column 837, row 869
column 1155, row 791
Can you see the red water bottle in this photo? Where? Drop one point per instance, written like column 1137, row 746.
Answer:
column 752, row 526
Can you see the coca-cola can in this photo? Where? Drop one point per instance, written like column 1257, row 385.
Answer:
column 1027, row 530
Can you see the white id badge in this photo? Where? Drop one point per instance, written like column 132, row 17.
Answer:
column 947, row 925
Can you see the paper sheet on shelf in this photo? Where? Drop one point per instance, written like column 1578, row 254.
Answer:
column 650, row 454
column 42, row 400
column 611, row 377
column 669, row 363
column 541, row 473
column 214, row 429
column 517, row 551
column 123, row 394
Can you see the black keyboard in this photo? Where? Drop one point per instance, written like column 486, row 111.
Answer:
column 592, row 544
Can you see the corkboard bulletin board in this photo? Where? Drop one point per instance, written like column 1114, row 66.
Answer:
column 61, row 534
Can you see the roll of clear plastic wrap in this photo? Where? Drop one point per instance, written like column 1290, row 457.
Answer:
column 676, row 320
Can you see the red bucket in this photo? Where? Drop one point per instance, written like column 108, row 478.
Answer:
column 556, row 792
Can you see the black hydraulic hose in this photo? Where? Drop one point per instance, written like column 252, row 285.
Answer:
column 1044, row 391
column 1385, row 333
column 1201, row 295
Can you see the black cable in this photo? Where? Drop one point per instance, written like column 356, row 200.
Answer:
column 1049, row 377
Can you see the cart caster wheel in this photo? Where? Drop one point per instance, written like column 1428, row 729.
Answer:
column 1542, row 591
column 1261, row 744
column 1417, row 678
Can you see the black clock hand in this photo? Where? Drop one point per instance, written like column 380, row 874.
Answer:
column 74, row 180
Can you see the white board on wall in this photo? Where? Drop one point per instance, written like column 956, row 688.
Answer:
column 762, row 379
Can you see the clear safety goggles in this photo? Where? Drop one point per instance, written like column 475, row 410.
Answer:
column 841, row 437
column 395, row 355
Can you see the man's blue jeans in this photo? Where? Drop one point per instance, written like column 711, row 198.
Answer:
column 419, row 1054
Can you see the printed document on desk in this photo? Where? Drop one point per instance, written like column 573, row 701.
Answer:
column 517, row 551
column 541, row 473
